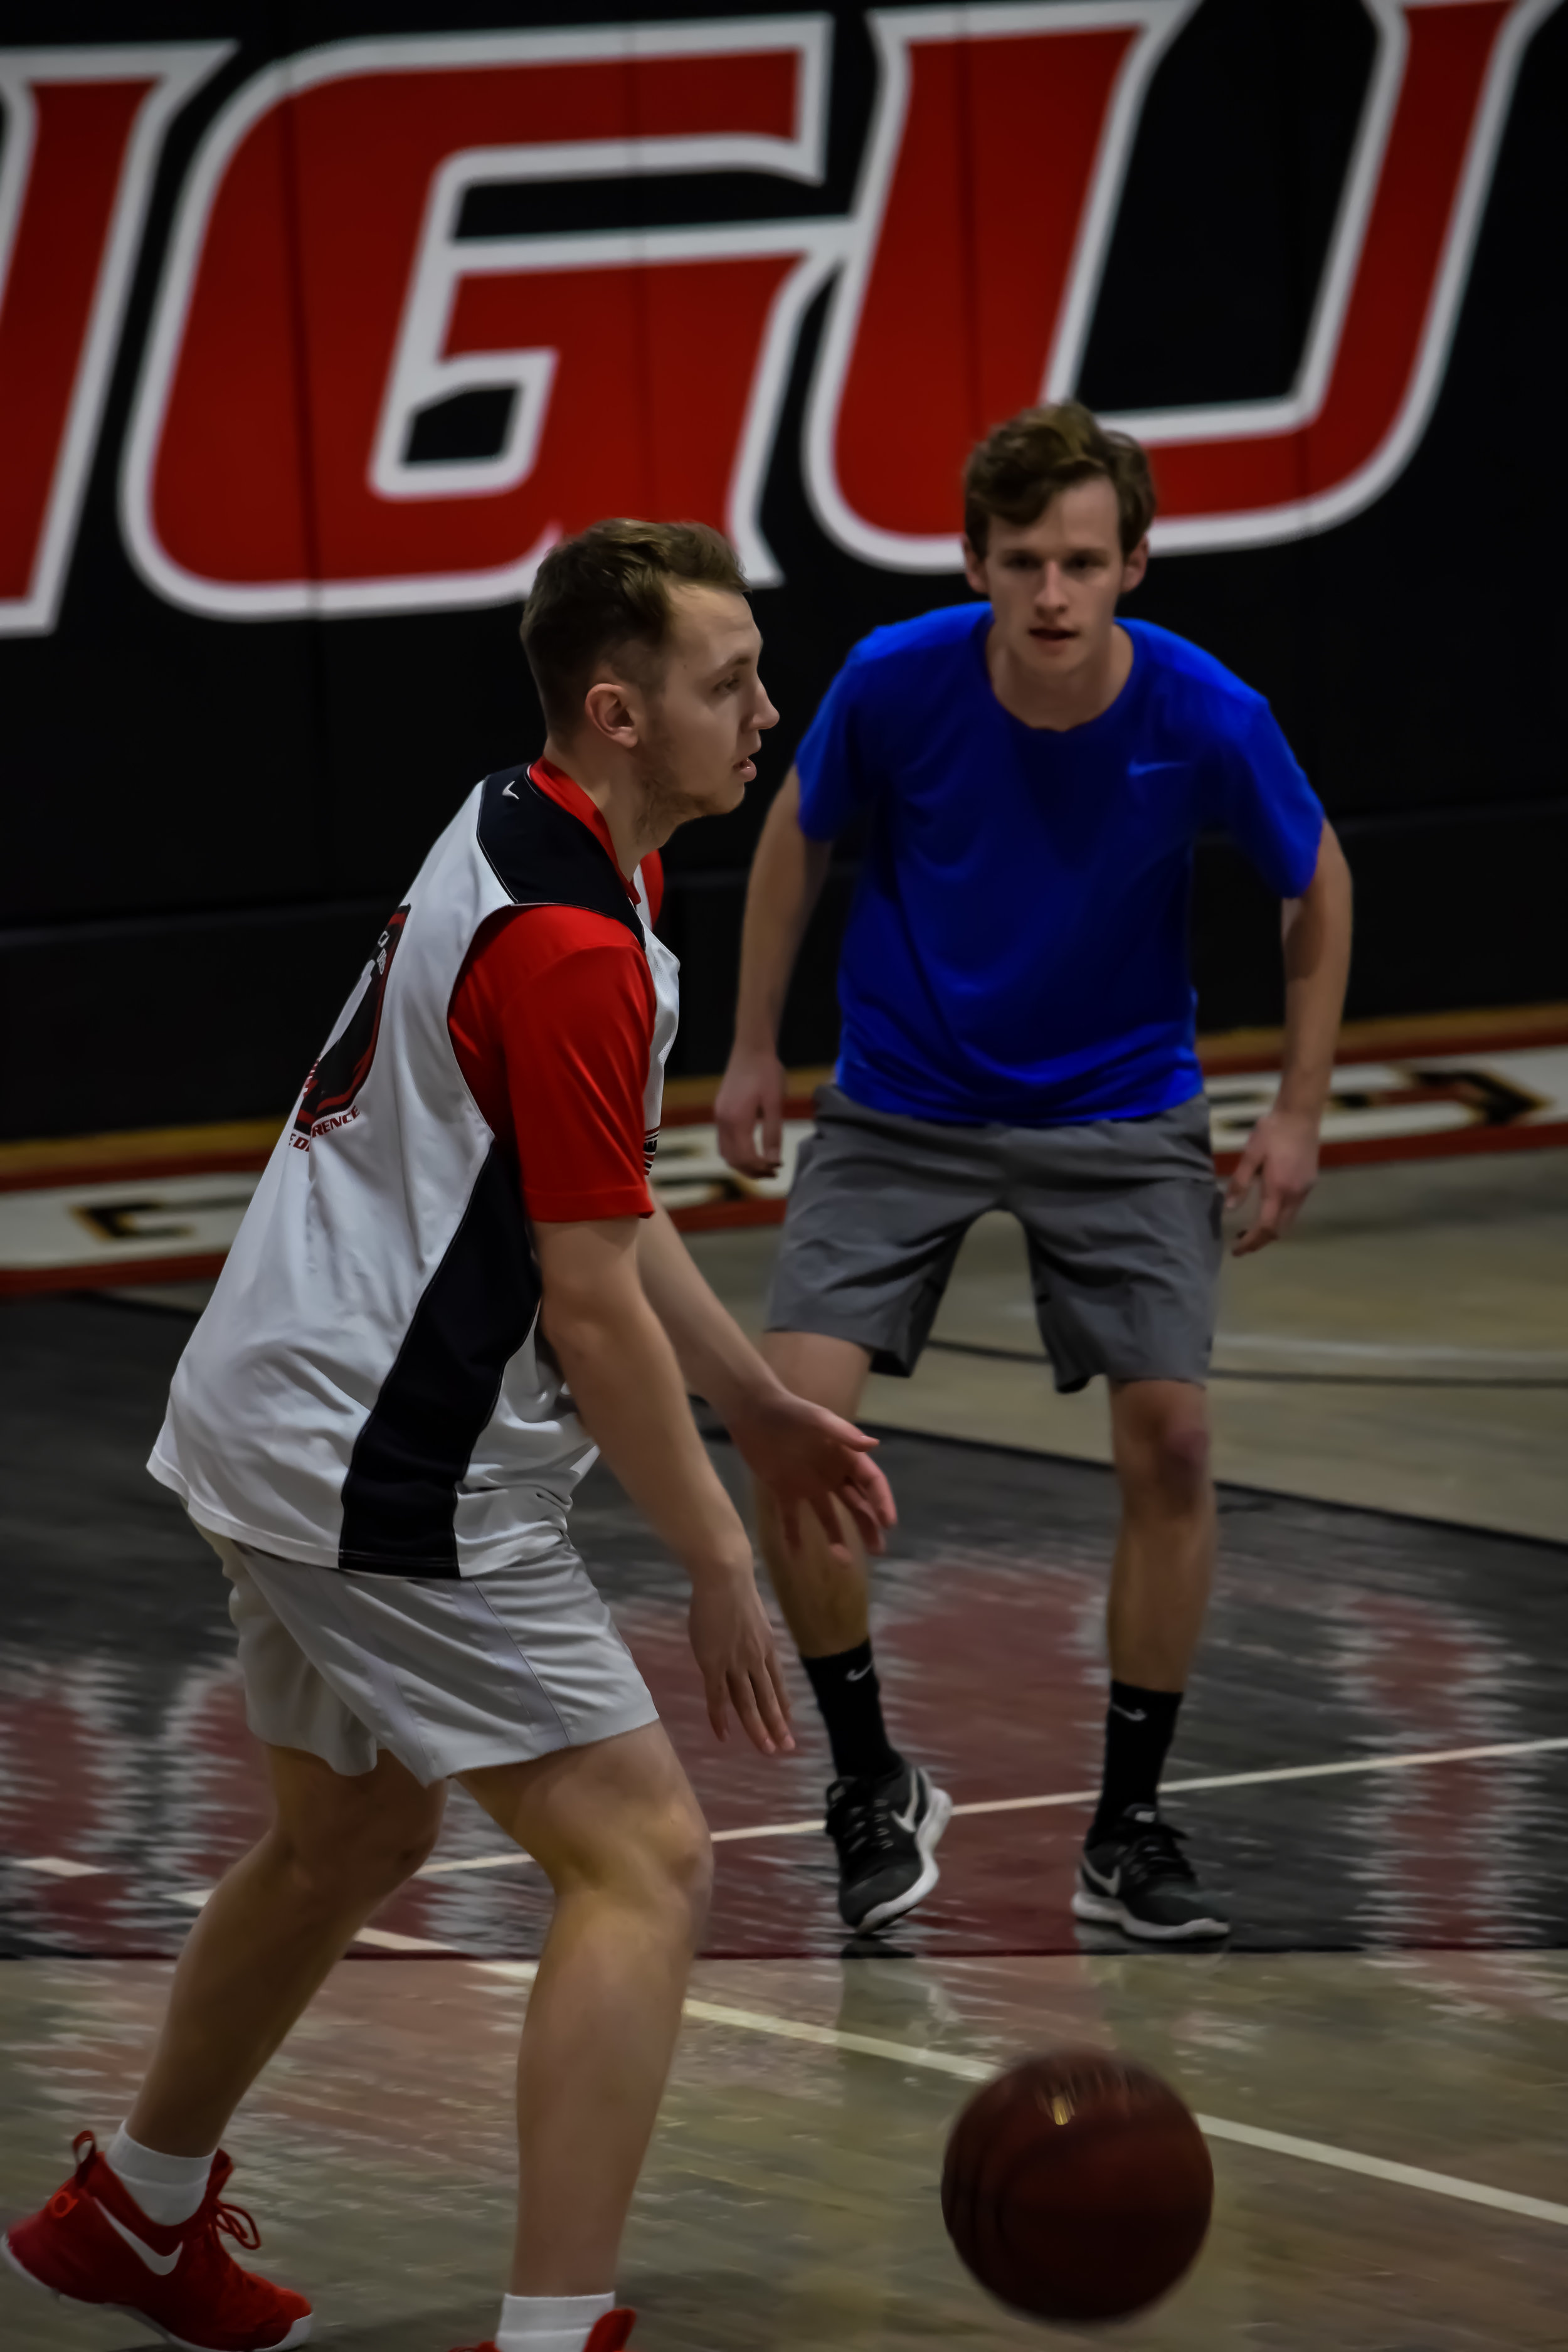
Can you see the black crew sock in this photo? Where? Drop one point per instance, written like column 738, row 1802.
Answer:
column 1139, row 1727
column 851, row 1704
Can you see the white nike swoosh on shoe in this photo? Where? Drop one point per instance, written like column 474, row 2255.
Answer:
column 1111, row 1885
column 162, row 2264
column 907, row 1820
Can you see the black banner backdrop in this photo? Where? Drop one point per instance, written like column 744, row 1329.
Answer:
column 316, row 322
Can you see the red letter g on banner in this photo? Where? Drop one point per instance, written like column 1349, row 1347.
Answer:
column 328, row 313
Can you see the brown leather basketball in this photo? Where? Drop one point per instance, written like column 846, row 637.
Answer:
column 1077, row 2186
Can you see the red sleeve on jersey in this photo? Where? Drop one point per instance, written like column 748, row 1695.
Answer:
column 551, row 1022
column 653, row 883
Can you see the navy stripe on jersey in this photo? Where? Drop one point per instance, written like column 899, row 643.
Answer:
column 400, row 1494
column 545, row 856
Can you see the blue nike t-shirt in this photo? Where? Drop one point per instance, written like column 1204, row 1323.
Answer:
column 1016, row 950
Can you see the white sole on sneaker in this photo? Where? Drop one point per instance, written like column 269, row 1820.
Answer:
column 298, row 2334
column 928, row 1837
column 1106, row 1910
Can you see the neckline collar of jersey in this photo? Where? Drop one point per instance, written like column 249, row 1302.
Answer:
column 1119, row 702
column 568, row 793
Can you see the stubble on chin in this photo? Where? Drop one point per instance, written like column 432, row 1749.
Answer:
column 668, row 803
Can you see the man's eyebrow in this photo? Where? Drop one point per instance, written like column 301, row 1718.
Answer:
column 746, row 651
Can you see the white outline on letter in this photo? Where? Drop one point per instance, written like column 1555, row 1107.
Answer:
column 440, row 262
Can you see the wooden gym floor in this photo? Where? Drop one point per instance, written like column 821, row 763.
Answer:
column 1376, row 1734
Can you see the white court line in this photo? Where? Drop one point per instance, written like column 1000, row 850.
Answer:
column 1087, row 1796
column 195, row 1897
column 388, row 1942
column 56, row 1866
column 979, row 2069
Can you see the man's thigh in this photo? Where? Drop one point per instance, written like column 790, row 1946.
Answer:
column 1123, row 1219
column 877, row 1214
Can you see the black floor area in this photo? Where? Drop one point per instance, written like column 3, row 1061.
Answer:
column 1337, row 1636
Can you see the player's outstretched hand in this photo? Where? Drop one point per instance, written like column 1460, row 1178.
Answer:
column 752, row 1093
column 733, row 1643
column 1281, row 1160
column 808, row 1458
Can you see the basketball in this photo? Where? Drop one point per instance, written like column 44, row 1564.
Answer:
column 1077, row 2186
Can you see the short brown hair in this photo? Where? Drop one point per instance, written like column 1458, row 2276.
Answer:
column 607, row 592
column 1016, row 471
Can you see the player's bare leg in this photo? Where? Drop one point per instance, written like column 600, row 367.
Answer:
column 142, row 2225
column 1163, row 1565
column 884, row 1815
column 825, row 1600
column 619, row 1835
column 270, row 1933
column 1134, row 1873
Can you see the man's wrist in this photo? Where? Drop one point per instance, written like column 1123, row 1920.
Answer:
column 748, row 1388
column 1305, row 1100
column 720, row 1565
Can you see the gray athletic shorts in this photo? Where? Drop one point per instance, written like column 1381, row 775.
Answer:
column 449, row 1674
column 1121, row 1215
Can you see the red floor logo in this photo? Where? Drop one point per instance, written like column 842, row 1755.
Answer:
column 322, row 308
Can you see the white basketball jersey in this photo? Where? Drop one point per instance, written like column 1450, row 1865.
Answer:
column 368, row 1388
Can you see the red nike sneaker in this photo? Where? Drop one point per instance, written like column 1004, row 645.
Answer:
column 93, row 2243
column 611, row 2334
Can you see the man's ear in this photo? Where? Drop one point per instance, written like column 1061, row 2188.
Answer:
column 1135, row 566
column 975, row 569
column 607, row 713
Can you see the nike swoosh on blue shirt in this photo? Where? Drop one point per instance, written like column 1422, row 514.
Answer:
column 1152, row 767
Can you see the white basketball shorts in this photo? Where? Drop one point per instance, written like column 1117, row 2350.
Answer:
column 448, row 1674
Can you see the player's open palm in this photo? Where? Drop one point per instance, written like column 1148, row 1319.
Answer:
column 752, row 1095
column 810, row 1459
column 732, row 1643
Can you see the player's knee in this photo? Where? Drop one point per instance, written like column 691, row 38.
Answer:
column 327, row 1874
column 682, row 1854
column 1170, row 1458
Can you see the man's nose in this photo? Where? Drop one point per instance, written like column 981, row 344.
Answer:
column 766, row 716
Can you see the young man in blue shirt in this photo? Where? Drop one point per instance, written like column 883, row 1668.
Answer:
column 1019, row 1024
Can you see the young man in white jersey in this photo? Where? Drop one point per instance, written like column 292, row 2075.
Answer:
column 451, row 1287
column 1018, row 1033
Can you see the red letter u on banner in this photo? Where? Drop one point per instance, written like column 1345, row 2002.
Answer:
column 327, row 297
column 976, row 270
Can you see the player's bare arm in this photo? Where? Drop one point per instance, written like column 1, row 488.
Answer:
column 628, row 1387
column 806, row 1456
column 787, row 875
column 1281, row 1154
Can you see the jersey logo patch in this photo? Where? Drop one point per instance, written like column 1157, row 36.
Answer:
column 336, row 1078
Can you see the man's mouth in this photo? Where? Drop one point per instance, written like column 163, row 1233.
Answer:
column 1053, row 636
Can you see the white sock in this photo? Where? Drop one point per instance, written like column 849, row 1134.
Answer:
column 549, row 2322
column 167, row 2187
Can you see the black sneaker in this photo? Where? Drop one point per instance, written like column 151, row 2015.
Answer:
column 886, row 1832
column 1139, row 1880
